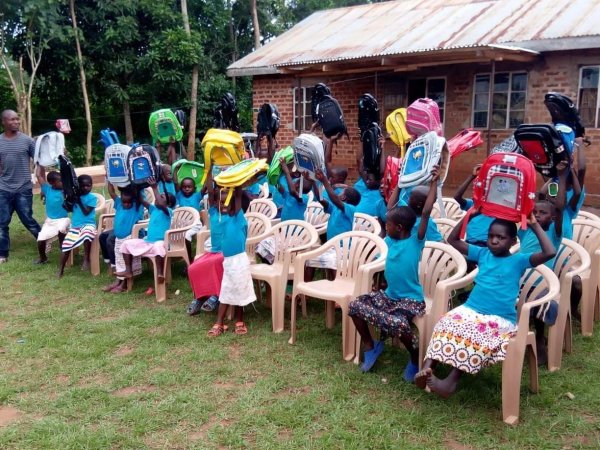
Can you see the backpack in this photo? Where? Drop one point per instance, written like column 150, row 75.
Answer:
column 508, row 145
column 108, row 137
column 164, row 126
column 267, row 121
column 543, row 145
column 330, row 117
column 70, row 185
column 426, row 151
column 309, row 154
column 505, row 188
column 371, row 148
column 274, row 171
column 463, row 141
column 115, row 162
column 563, row 110
column 222, row 148
column 368, row 112
column 63, row 125
column 226, row 113
column 423, row 116
column 48, row 147
column 319, row 92
column 181, row 117
column 240, row 174
column 189, row 169
column 390, row 176
column 143, row 162
column 395, row 125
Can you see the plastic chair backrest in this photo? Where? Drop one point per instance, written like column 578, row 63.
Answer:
column 315, row 215
column 290, row 234
column 354, row 249
column 100, row 202
column 263, row 206
column 585, row 215
column 109, row 206
column 364, row 222
column 535, row 283
column 439, row 262
column 257, row 224
column 587, row 234
column 149, row 193
column 569, row 257
column 452, row 208
column 184, row 216
column 445, row 226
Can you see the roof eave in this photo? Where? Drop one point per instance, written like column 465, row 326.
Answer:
column 252, row 71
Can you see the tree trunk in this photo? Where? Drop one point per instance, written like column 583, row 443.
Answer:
column 191, row 146
column 255, row 24
column 86, row 103
column 127, row 117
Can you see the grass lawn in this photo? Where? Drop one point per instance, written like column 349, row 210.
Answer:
column 84, row 369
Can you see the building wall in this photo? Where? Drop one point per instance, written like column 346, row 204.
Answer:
column 555, row 72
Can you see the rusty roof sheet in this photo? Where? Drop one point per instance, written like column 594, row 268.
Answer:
column 415, row 26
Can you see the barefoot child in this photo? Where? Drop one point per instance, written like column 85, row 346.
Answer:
column 153, row 244
column 476, row 334
column 392, row 310
column 57, row 217
column 83, row 225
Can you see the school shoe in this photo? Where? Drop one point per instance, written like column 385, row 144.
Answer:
column 194, row 308
column 410, row 371
column 371, row 356
column 210, row 304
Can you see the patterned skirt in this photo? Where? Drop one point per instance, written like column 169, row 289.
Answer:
column 470, row 341
column 392, row 317
column 77, row 236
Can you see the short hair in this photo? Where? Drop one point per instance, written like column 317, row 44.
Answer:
column 53, row 177
column 402, row 215
column 342, row 172
column 509, row 226
column 189, row 178
column 6, row 112
column 171, row 200
column 83, row 178
column 352, row 196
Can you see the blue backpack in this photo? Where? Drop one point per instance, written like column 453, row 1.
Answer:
column 115, row 162
column 143, row 163
column 108, row 137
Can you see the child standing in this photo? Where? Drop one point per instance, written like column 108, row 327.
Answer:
column 83, row 225
column 57, row 217
column 476, row 334
column 166, row 184
column 392, row 310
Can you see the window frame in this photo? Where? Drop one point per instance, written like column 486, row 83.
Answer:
column 306, row 106
column 426, row 94
column 581, row 69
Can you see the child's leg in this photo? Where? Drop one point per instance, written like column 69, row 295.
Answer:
column 309, row 273
column 64, row 256
column 408, row 340
column 444, row 387
column 365, row 334
column 61, row 237
column 87, row 245
column 240, row 326
column 576, row 290
column 188, row 247
column 160, row 264
column 128, row 260
column 41, row 245
column 540, row 341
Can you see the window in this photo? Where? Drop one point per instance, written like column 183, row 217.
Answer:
column 589, row 80
column 433, row 88
column 302, row 103
column 508, row 100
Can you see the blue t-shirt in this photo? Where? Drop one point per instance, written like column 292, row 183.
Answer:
column 78, row 219
column 530, row 243
column 170, row 187
column 54, row 202
column 569, row 214
column 216, row 229
column 369, row 202
column 254, row 189
column 479, row 226
column 125, row 219
column 360, row 186
column 193, row 201
column 431, row 234
column 339, row 221
column 402, row 268
column 292, row 208
column 277, row 197
column 325, row 195
column 497, row 283
column 159, row 224
column 236, row 230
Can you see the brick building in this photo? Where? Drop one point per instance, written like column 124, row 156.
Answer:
column 382, row 49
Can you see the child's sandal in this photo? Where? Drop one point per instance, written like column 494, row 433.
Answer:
column 240, row 328
column 217, row 330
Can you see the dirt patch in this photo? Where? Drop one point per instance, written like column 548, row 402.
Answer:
column 2, row 326
column 293, row 390
column 155, row 331
column 8, row 415
column 2, row 350
column 212, row 421
column 63, row 379
column 225, row 385
column 131, row 390
column 98, row 380
column 453, row 444
column 234, row 351
column 124, row 350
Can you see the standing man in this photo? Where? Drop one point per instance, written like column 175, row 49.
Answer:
column 16, row 149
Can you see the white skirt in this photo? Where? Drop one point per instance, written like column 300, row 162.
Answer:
column 237, row 288
column 52, row 227
column 136, row 264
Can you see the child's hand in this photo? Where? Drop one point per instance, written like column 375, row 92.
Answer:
column 435, row 174
column 381, row 141
column 305, row 175
column 476, row 170
column 531, row 219
column 151, row 181
column 562, row 167
column 319, row 175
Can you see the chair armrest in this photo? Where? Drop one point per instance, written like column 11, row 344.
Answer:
column 256, row 239
column 367, row 273
column 104, row 221
column 141, row 225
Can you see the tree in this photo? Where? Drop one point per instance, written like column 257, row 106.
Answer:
column 255, row 23
column 191, row 146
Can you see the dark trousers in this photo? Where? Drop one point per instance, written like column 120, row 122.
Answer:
column 107, row 245
column 22, row 203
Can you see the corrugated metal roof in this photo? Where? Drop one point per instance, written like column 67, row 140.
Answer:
column 417, row 26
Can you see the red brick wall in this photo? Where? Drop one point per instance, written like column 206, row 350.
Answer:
column 558, row 71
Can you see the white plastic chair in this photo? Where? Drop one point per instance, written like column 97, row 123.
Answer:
column 452, row 208
column 445, row 226
column 365, row 222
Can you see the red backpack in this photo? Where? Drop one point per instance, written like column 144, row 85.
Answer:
column 390, row 175
column 463, row 141
column 422, row 116
column 505, row 188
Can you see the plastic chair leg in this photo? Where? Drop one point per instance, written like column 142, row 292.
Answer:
column 531, row 353
column 512, row 368
column 330, row 315
column 95, row 256
column 160, row 289
column 348, row 335
column 587, row 309
column 293, row 310
column 167, row 270
column 278, row 306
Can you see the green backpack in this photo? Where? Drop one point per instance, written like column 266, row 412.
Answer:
column 189, row 169
column 274, row 171
column 164, row 126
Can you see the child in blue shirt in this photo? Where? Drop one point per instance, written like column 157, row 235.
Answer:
column 166, row 184
column 392, row 310
column 83, row 225
column 294, row 202
column 476, row 334
column 188, row 196
column 416, row 201
column 372, row 202
column 57, row 217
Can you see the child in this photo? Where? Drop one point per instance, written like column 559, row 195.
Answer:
column 128, row 211
column 166, row 183
column 416, row 201
column 371, row 199
column 153, row 244
column 188, row 196
column 294, row 202
column 392, row 310
column 476, row 334
column 83, row 225
column 236, row 288
column 57, row 217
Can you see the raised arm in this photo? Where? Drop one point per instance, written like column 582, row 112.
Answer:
column 454, row 239
column 548, row 251
column 335, row 199
column 171, row 153
column 576, row 190
column 561, row 198
column 458, row 196
column 111, row 190
column 288, row 177
column 40, row 174
column 329, row 143
column 431, row 196
column 580, row 144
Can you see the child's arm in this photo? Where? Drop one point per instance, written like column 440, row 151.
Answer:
column 237, row 203
column 210, row 189
column 87, row 210
column 40, row 174
column 329, row 143
column 581, row 166
column 454, row 239
column 171, row 154
column 431, row 196
column 458, row 196
column 381, row 144
column 561, row 199
column 159, row 201
column 111, row 190
column 315, row 188
column 288, row 177
column 576, row 190
column 548, row 251
column 175, row 182
column 393, row 200
column 335, row 199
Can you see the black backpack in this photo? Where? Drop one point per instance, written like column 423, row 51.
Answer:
column 267, row 121
column 368, row 112
column 371, row 149
column 543, row 145
column 181, row 117
column 330, row 117
column 319, row 92
column 226, row 114
column 563, row 110
column 70, row 185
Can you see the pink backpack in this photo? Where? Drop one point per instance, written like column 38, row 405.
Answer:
column 422, row 116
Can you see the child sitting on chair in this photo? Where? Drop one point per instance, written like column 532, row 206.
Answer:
column 83, row 225
column 416, row 202
column 187, row 195
column 57, row 217
column 128, row 211
column 153, row 244
column 294, row 201
column 476, row 334
column 392, row 310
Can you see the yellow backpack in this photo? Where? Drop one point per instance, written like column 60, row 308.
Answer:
column 395, row 125
column 222, row 148
column 240, row 174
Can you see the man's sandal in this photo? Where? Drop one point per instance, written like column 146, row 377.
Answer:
column 217, row 330
column 240, row 328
